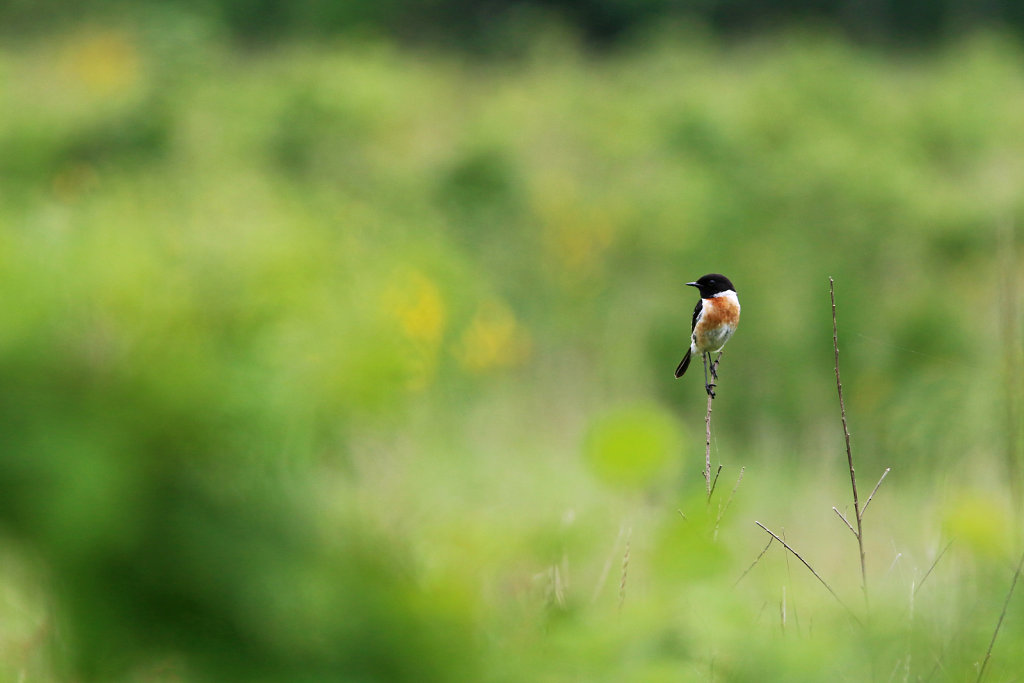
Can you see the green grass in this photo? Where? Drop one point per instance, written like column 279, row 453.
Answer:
column 355, row 363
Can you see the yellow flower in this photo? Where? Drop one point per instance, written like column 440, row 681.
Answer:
column 493, row 339
column 105, row 61
column 418, row 307
column 576, row 234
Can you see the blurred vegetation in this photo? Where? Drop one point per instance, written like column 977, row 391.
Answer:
column 495, row 25
column 354, row 362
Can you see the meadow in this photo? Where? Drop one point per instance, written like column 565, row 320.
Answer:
column 353, row 361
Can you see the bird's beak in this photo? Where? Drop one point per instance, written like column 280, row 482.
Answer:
column 692, row 284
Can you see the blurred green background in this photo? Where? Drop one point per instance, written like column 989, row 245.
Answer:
column 338, row 350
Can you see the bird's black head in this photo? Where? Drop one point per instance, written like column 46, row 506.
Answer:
column 711, row 284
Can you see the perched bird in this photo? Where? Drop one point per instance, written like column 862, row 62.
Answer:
column 714, row 320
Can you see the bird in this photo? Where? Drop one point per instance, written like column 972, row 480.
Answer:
column 714, row 320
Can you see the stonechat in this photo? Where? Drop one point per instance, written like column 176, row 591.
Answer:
column 714, row 320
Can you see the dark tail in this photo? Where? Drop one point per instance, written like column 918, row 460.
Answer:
column 683, row 364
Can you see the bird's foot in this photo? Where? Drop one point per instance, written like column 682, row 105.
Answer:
column 710, row 389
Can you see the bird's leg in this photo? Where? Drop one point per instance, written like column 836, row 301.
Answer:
column 709, row 387
column 714, row 366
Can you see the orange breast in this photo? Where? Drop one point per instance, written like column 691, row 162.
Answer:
column 719, row 311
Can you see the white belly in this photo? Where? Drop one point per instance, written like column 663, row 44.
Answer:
column 714, row 340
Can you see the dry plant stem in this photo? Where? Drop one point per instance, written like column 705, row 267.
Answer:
column 849, row 453
column 895, row 561
column 714, row 481
column 625, row 568
column 756, row 560
column 707, row 448
column 1002, row 615
column 846, row 521
column 608, row 564
column 809, row 567
column 789, row 579
column 875, row 490
column 723, row 508
column 928, row 573
column 782, row 609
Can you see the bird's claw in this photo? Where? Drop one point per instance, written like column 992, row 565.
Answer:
column 711, row 389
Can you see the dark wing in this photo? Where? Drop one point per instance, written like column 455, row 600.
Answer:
column 685, row 363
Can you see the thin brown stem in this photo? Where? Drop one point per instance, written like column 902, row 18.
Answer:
column 625, row 569
column 723, row 508
column 1002, row 615
column 707, row 449
column 714, row 481
column 875, row 490
column 846, row 521
column 756, row 560
column 849, row 452
column 782, row 609
column 928, row 573
column 809, row 567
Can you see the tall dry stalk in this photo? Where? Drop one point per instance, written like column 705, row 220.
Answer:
column 858, row 511
column 707, row 448
column 999, row 624
column 708, row 480
column 809, row 567
column 859, row 532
